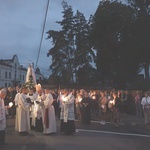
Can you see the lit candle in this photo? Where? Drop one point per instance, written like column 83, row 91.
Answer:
column 10, row 104
column 79, row 99
column 93, row 97
column 64, row 99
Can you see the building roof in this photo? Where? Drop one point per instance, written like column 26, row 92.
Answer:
column 23, row 69
column 2, row 62
column 9, row 60
column 6, row 62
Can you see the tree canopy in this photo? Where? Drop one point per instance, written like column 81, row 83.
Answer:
column 115, row 39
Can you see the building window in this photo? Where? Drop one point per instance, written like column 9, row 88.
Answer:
column 23, row 77
column 15, row 76
column 0, row 74
column 9, row 75
column 15, row 66
column 20, row 77
column 9, row 84
column 5, row 74
column 5, row 84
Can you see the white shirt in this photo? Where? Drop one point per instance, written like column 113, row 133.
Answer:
column 145, row 101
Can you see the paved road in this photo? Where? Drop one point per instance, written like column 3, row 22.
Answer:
column 131, row 135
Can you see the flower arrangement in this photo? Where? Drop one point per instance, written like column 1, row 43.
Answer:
column 30, row 83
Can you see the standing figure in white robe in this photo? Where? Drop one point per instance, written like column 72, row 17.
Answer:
column 33, row 97
column 2, row 117
column 39, row 110
column 16, row 105
column 49, row 119
column 23, row 113
column 67, row 114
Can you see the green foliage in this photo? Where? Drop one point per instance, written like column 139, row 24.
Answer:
column 116, row 38
column 114, row 28
column 71, row 47
column 30, row 83
column 141, row 33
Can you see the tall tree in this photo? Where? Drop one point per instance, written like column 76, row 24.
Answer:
column 63, row 50
column 71, row 49
column 141, row 33
column 112, row 22
column 84, row 54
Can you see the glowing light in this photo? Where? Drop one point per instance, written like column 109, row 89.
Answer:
column 38, row 87
column 64, row 99
column 10, row 104
column 93, row 97
column 79, row 99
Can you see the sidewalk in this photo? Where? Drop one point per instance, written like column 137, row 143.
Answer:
column 128, row 120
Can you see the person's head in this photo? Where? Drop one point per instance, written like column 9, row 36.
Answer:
column 85, row 94
column 102, row 94
column 47, row 91
column 31, row 91
column 39, row 91
column 146, row 94
column 138, row 92
column 10, row 89
column 3, row 93
column 24, row 90
column 114, row 94
column 17, row 88
column 66, row 91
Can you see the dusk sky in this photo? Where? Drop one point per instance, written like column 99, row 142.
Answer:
column 21, row 27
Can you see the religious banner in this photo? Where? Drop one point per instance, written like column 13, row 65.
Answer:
column 30, row 78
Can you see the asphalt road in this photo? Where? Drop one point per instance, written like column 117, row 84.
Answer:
column 128, row 136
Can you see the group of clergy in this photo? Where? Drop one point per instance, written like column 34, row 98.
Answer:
column 35, row 111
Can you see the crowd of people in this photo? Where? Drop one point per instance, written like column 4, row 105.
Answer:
column 37, row 108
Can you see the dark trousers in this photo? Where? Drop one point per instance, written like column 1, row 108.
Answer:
column 38, row 125
column 2, row 137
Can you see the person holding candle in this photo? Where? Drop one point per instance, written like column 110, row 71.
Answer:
column 86, row 108
column 116, row 102
column 67, row 114
column 39, row 109
column 102, row 105
column 146, row 107
column 33, row 96
column 78, row 100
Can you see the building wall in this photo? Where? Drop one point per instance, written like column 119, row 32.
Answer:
column 5, row 76
column 13, row 73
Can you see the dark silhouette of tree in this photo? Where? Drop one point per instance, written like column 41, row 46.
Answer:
column 111, row 37
column 116, row 38
column 84, row 54
column 63, row 50
column 141, row 33
column 71, row 48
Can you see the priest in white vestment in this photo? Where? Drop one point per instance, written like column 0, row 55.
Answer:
column 33, row 96
column 49, row 119
column 16, row 105
column 67, row 114
column 39, row 110
column 23, row 113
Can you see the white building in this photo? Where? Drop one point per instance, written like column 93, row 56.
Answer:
column 12, row 73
